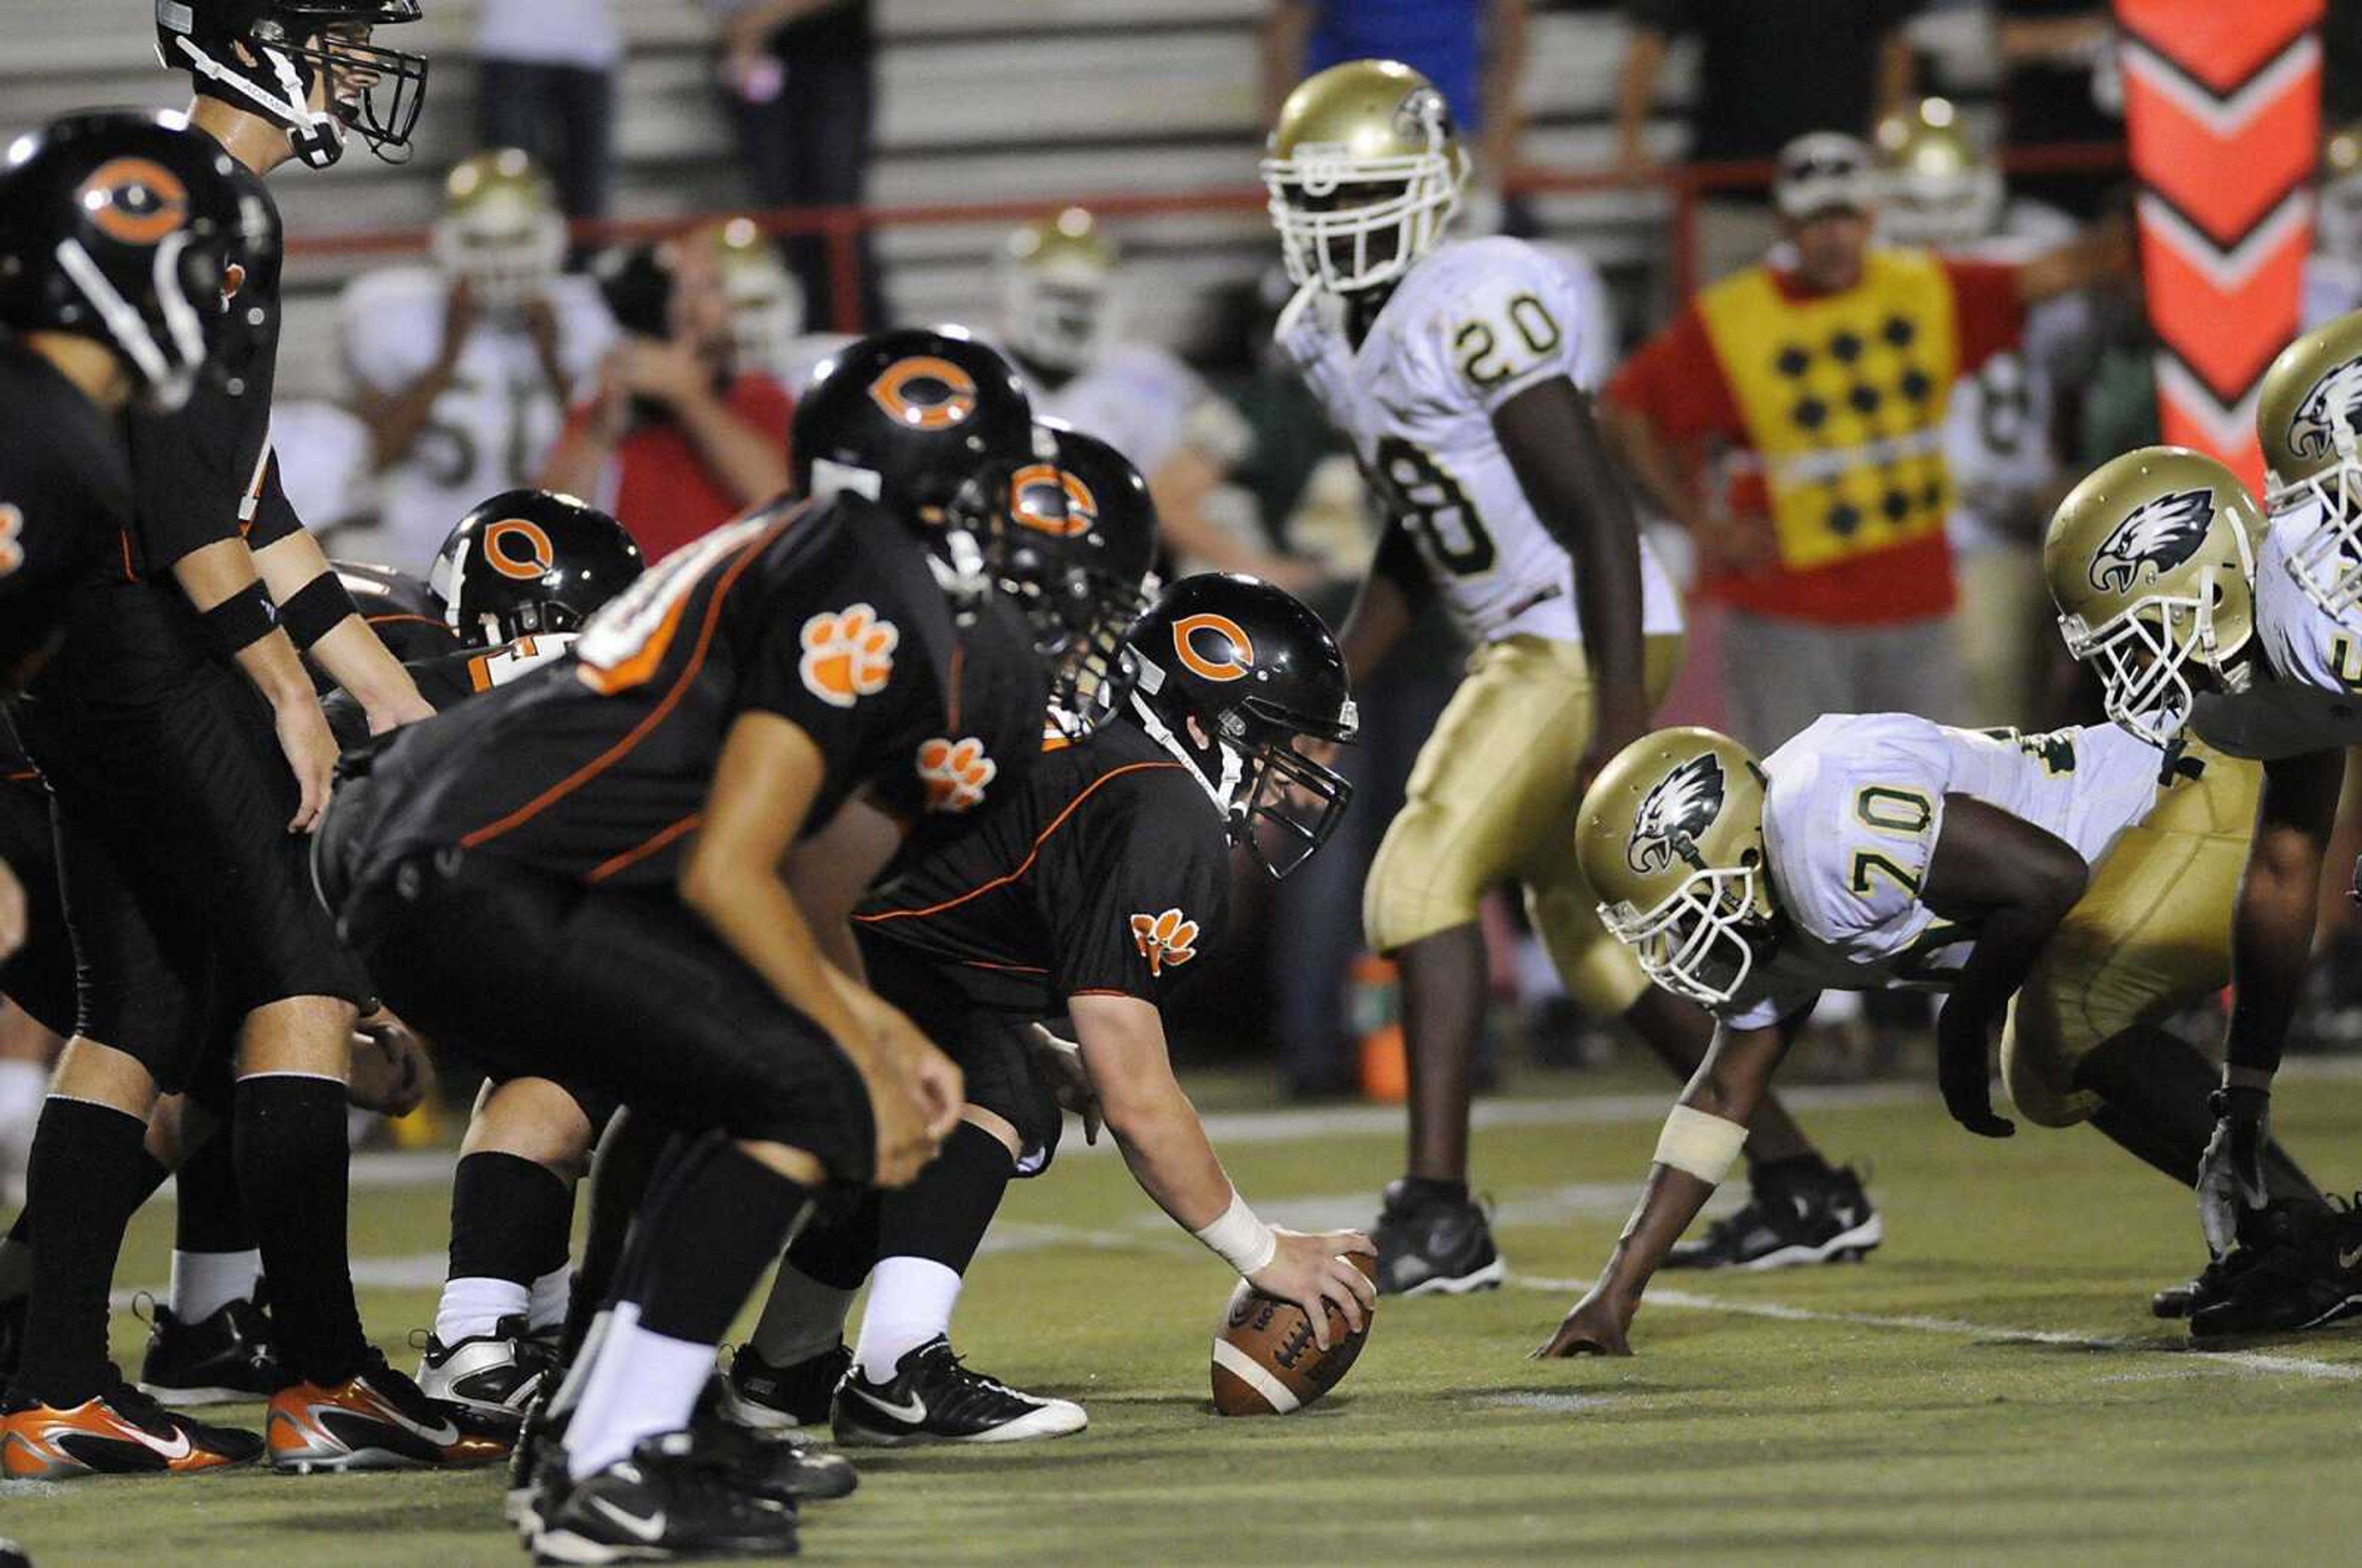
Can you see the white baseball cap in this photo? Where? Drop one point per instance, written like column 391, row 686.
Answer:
column 1822, row 170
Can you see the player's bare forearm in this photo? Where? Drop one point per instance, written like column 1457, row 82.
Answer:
column 1162, row 1139
column 353, row 655
column 574, row 465
column 219, row 572
column 2272, row 924
column 751, row 463
column 1554, row 445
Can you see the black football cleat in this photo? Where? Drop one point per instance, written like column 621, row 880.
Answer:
column 1431, row 1243
column 229, row 1356
column 490, row 1376
column 933, row 1398
column 1823, row 1217
column 765, row 1397
column 666, row 1501
column 536, row 1467
column 121, row 1432
column 2312, row 1280
column 768, row 1462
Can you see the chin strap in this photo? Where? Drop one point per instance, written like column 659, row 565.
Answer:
column 1224, row 794
column 318, row 138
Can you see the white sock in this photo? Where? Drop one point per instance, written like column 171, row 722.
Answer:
column 645, row 1385
column 551, row 1293
column 23, row 1086
column 802, row 1318
column 475, row 1306
column 570, row 1388
column 204, row 1283
column 910, row 1301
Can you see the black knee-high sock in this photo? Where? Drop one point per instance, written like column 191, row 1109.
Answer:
column 629, row 1154
column 945, row 1214
column 706, row 1240
column 2157, row 1084
column 294, row 1171
column 87, row 1174
column 509, row 1218
column 840, row 1249
column 211, row 1217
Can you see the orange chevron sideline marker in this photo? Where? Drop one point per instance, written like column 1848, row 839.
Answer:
column 2223, row 103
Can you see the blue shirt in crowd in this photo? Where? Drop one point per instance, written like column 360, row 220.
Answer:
column 1438, row 38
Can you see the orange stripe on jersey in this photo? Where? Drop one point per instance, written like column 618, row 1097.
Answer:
column 397, row 618
column 654, row 843
column 1003, row 969
column 655, row 716
column 1030, row 856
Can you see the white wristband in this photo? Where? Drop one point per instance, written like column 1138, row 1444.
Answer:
column 1706, row 1147
column 1239, row 1239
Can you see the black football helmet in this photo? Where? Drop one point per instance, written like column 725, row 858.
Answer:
column 1255, row 670
column 908, row 415
column 120, row 226
column 263, row 56
column 1074, row 545
column 528, row 561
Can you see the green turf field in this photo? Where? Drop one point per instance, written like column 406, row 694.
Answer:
column 1989, row 1388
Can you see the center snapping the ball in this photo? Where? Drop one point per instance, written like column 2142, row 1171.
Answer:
column 1266, row 1360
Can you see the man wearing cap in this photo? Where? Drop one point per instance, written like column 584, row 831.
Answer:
column 1810, row 392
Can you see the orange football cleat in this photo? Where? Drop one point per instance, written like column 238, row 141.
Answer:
column 376, row 1420
column 122, row 1433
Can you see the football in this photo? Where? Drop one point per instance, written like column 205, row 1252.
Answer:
column 1265, row 1361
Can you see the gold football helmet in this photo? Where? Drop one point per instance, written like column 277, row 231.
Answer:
column 500, row 227
column 1364, row 172
column 2337, row 212
column 1941, row 188
column 1670, row 837
column 1058, row 284
column 2309, row 419
column 2151, row 561
column 767, row 301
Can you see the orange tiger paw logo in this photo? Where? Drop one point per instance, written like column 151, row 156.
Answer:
column 955, row 773
column 1169, row 939
column 848, row 655
column 12, row 532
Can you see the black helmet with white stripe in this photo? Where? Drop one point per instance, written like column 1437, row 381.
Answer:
column 530, row 561
column 266, row 57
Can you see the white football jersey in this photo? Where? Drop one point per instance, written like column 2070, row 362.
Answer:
column 1851, row 822
column 496, row 421
column 1148, row 406
column 2308, row 697
column 1468, row 327
column 1997, row 438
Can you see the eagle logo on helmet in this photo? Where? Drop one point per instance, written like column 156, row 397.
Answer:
column 2160, row 534
column 2334, row 404
column 1677, row 808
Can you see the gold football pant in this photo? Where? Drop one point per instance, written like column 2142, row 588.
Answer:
column 2151, row 934
column 1493, row 798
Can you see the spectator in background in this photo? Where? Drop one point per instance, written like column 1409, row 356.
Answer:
column 1769, row 71
column 801, row 79
column 1474, row 50
column 463, row 368
column 1828, row 384
column 547, row 84
column 2059, row 85
column 677, row 439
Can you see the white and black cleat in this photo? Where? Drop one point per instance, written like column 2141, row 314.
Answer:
column 933, row 1398
column 493, row 1377
column 1434, row 1242
column 1790, row 1221
column 666, row 1501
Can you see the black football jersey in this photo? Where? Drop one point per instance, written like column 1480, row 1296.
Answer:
column 1108, row 874
column 402, row 609
column 65, row 500
column 445, row 679
column 826, row 613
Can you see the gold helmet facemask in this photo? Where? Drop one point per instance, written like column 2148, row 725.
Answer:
column 2151, row 563
column 1364, row 172
column 1941, row 188
column 766, row 300
column 1057, row 291
column 500, row 228
column 1671, row 836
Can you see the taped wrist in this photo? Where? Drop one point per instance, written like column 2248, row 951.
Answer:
column 242, row 619
column 1239, row 1239
column 316, row 608
column 2236, row 1103
column 1706, row 1147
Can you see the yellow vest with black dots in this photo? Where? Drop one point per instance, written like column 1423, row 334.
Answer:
column 1844, row 397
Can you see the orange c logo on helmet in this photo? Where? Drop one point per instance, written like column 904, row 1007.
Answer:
column 515, row 547
column 1242, row 650
column 135, row 200
column 925, row 392
column 1025, row 498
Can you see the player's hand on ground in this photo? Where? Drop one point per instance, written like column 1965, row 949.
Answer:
column 310, row 752
column 1964, row 1075
column 12, row 912
column 2230, row 1172
column 1060, row 1063
column 1595, row 1326
column 390, row 1068
column 1310, row 1270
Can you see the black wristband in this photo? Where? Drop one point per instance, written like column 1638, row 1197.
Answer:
column 242, row 619
column 316, row 608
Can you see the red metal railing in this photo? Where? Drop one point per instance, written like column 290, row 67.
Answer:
column 1685, row 185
